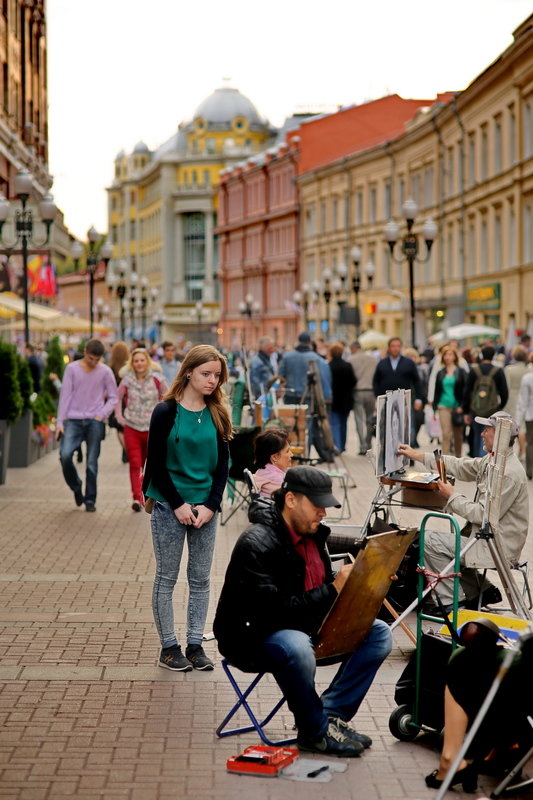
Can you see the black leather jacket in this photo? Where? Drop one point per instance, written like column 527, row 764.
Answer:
column 264, row 588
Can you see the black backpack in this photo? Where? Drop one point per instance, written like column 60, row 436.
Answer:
column 485, row 399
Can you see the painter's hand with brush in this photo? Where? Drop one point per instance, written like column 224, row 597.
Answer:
column 411, row 453
column 445, row 489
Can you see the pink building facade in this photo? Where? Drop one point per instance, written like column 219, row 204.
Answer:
column 258, row 247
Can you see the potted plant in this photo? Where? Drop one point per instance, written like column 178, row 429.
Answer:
column 55, row 366
column 10, row 401
column 22, row 451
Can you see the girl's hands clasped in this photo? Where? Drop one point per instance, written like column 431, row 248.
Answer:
column 194, row 517
column 204, row 515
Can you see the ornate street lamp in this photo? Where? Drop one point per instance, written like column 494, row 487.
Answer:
column 23, row 229
column 117, row 283
column 355, row 255
column 93, row 256
column 410, row 249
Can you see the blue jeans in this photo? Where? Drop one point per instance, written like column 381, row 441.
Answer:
column 76, row 431
column 289, row 655
column 168, row 536
column 339, row 421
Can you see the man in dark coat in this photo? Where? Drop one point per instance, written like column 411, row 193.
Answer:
column 398, row 372
column 278, row 588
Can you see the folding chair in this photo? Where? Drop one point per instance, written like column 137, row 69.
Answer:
column 523, row 570
column 241, row 451
column 242, row 703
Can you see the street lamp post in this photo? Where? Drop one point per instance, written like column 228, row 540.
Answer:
column 410, row 249
column 326, row 293
column 117, row 283
column 92, row 259
column 355, row 255
column 248, row 307
column 197, row 313
column 23, row 229
column 133, row 279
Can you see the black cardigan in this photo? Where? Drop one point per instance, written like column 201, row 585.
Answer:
column 458, row 388
column 161, row 423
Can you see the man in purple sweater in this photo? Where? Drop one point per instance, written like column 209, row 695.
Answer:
column 88, row 395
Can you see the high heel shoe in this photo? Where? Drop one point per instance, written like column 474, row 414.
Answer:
column 467, row 776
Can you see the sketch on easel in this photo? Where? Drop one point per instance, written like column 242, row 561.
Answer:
column 393, row 412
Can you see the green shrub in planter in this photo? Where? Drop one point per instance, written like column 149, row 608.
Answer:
column 25, row 383
column 43, row 408
column 11, row 402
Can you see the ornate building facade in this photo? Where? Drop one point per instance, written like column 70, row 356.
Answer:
column 162, row 209
column 467, row 161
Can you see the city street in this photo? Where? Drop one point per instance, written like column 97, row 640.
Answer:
column 86, row 712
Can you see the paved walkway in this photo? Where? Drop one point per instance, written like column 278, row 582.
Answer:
column 86, row 712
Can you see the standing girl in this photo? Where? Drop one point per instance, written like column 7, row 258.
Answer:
column 448, row 401
column 139, row 391
column 186, row 472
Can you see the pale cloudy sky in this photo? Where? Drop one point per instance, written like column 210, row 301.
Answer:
column 125, row 70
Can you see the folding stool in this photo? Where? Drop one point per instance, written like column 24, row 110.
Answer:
column 243, row 695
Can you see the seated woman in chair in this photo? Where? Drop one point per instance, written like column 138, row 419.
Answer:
column 471, row 672
column 272, row 451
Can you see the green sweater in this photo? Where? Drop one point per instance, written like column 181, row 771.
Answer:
column 191, row 456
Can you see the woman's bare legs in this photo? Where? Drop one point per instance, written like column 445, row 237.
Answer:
column 455, row 724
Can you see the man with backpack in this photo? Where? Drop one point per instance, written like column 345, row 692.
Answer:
column 486, row 392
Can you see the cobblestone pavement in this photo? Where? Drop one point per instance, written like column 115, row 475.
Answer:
column 86, row 712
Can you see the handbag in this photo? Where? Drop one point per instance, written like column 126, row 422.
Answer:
column 458, row 419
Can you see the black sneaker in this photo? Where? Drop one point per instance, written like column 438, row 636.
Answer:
column 173, row 658
column 490, row 596
column 333, row 743
column 350, row 732
column 78, row 496
column 197, row 657
column 90, row 506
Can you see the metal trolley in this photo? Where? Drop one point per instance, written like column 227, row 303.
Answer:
column 420, row 712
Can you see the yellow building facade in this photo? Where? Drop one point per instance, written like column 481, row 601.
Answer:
column 468, row 164
column 162, row 209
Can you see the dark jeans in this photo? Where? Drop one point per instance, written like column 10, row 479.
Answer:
column 289, row 655
column 339, row 421
column 76, row 431
column 477, row 441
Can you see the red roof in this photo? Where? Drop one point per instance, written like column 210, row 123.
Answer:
column 356, row 128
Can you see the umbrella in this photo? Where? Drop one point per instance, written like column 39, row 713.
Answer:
column 466, row 330
column 373, row 339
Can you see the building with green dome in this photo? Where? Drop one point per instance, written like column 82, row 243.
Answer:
column 162, row 214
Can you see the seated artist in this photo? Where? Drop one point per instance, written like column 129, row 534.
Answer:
column 278, row 588
column 273, row 454
column 514, row 515
column 470, row 674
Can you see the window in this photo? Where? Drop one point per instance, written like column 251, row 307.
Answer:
column 512, row 236
column 471, row 261
column 428, row 186
column 512, row 136
column 472, row 159
column 401, row 191
column 451, row 171
column 194, row 254
column 322, row 216
column 388, row 200
column 310, row 221
column 497, row 145
column 372, row 207
column 528, row 233
column 207, row 177
column 359, row 208
column 210, row 146
column 132, row 229
column 484, row 250
column 528, row 128
column 484, row 153
column 497, row 242
column 334, row 214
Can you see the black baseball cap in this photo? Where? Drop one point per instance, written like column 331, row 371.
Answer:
column 313, row 483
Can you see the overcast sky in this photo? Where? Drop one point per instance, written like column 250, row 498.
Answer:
column 125, row 70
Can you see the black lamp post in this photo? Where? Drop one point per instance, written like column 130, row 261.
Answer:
column 23, row 229
column 355, row 255
column 93, row 256
column 117, row 283
column 326, row 294
column 306, row 293
column 133, row 279
column 410, row 249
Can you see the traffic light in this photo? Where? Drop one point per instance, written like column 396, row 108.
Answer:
column 370, row 308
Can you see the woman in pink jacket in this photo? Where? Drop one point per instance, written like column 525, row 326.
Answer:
column 273, row 456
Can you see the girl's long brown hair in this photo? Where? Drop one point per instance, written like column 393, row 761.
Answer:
column 217, row 401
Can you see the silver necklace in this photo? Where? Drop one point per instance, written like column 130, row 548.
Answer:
column 201, row 412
